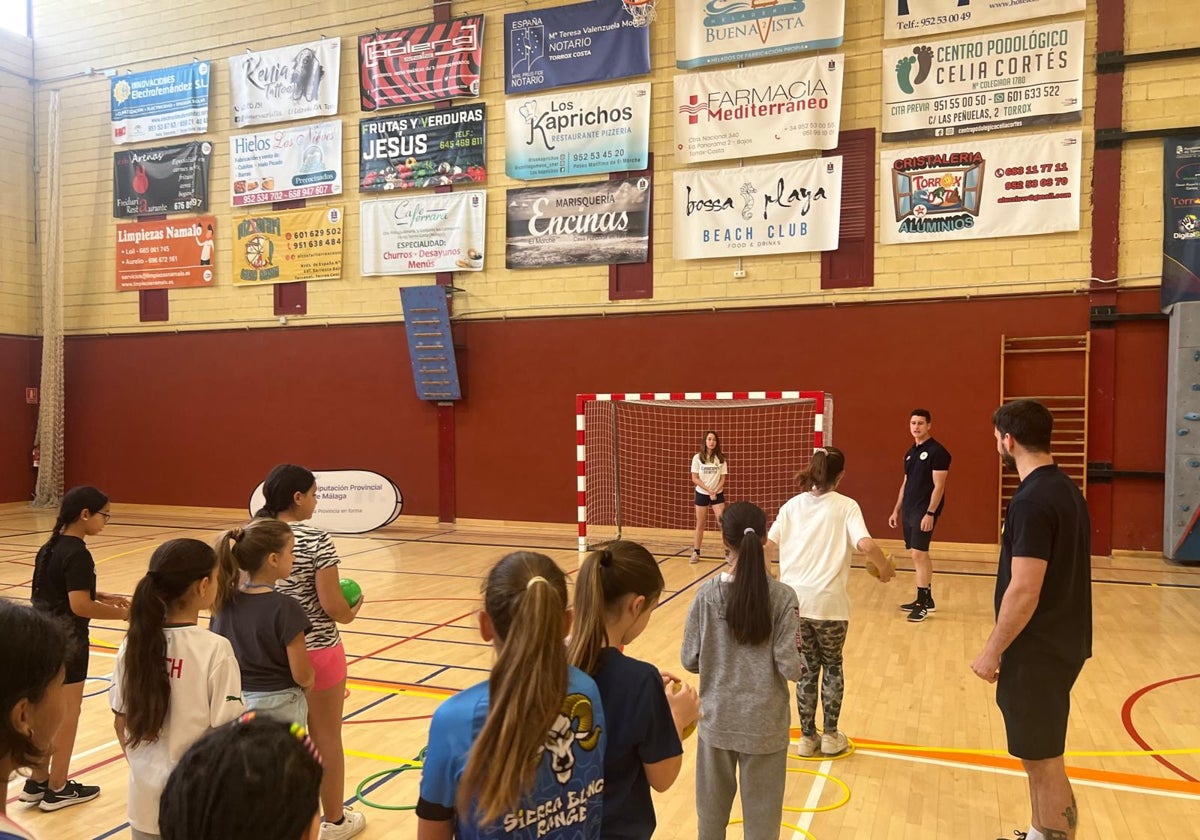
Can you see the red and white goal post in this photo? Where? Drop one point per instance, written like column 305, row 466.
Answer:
column 634, row 453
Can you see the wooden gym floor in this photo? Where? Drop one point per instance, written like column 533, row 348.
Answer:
column 930, row 759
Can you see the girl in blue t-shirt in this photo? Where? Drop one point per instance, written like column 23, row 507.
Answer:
column 647, row 711
column 522, row 754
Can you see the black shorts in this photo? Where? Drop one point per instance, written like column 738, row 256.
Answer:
column 915, row 538
column 704, row 500
column 77, row 659
column 1034, row 696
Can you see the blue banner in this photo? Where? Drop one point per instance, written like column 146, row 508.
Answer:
column 168, row 102
column 570, row 45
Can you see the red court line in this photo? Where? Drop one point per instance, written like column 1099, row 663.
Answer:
column 1127, row 719
column 399, row 642
column 386, row 720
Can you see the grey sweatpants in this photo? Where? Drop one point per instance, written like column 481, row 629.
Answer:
column 762, row 780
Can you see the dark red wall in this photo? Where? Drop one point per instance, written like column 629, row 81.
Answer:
column 198, row 418
column 19, row 360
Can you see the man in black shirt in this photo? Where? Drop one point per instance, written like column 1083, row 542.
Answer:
column 919, row 504
column 1043, row 631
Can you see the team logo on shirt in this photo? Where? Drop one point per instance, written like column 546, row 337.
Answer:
column 924, row 455
column 574, row 724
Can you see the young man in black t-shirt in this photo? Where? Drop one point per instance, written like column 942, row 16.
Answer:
column 1043, row 631
column 919, row 504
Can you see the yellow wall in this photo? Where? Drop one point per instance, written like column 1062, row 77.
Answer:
column 19, row 304
column 143, row 35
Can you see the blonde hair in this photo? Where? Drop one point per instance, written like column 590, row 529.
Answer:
column 246, row 548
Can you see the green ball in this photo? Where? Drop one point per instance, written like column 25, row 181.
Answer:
column 351, row 591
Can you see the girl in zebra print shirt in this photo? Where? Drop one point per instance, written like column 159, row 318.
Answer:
column 291, row 496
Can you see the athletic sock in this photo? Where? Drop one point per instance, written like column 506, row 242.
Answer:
column 1034, row 834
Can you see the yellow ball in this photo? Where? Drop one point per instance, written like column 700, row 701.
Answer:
column 690, row 729
column 873, row 572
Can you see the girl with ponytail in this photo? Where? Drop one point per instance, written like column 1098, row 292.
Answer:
column 647, row 711
column 64, row 585
column 816, row 534
column 741, row 638
column 520, row 755
column 173, row 681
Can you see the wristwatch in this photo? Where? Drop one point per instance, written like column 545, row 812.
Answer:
column 931, row 513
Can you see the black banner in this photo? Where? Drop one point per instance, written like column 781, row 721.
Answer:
column 167, row 179
column 1181, row 221
column 423, row 149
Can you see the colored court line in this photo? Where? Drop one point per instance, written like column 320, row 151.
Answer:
column 1127, row 720
column 385, row 687
column 399, row 642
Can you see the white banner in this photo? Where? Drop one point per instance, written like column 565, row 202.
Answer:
column 1018, row 186
column 581, row 132
column 348, row 501
column 777, row 208
column 1001, row 80
column 725, row 32
column 288, row 83
column 918, row 18
column 303, row 161
column 424, row 234
column 767, row 109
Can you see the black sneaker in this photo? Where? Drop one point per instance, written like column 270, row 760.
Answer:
column 919, row 612
column 33, row 791
column 1020, row 835
column 72, row 793
column 912, row 605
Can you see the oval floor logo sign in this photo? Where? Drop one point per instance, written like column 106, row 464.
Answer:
column 349, row 501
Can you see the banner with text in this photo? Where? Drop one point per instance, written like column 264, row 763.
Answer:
column 168, row 102
column 288, row 246
column 167, row 179
column 165, row 254
column 426, row 63
column 722, row 33
column 767, row 109
column 423, row 149
column 598, row 223
column 776, row 208
column 1181, row 220
column 1001, row 80
column 570, row 45
column 918, row 18
column 304, row 161
column 584, row 132
column 1019, row 186
column 424, row 234
column 288, row 83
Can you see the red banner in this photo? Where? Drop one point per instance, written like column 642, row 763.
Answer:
column 416, row 64
column 166, row 254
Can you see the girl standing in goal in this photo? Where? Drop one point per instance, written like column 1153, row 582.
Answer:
column 708, row 475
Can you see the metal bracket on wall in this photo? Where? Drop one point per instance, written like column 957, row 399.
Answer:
column 1109, row 137
column 1102, row 471
column 1107, row 316
column 1117, row 60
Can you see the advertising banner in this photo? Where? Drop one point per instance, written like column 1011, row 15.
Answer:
column 423, row 149
column 426, row 63
column 724, row 32
column 288, row 246
column 168, row 102
column 583, row 132
column 168, row 179
column 348, row 501
column 919, row 18
column 776, row 208
column 602, row 222
column 424, row 234
column 303, row 161
column 165, row 254
column 570, row 45
column 288, row 83
column 1019, row 186
column 767, row 109
column 1181, row 220
column 1000, row 80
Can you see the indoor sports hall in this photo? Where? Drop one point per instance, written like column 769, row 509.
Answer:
column 493, row 270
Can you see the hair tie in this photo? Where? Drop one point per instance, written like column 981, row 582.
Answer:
column 822, row 450
column 236, row 534
column 535, row 579
column 749, row 531
column 606, row 558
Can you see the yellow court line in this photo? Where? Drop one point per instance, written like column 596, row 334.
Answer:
column 124, row 554
column 388, row 759
column 383, row 688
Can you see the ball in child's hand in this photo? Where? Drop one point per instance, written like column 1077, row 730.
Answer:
column 351, row 591
column 874, row 572
column 690, row 729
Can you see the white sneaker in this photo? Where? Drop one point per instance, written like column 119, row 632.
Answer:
column 352, row 825
column 695, row 556
column 807, row 746
column 833, row 743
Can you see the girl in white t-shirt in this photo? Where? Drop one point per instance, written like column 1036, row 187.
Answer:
column 816, row 533
column 173, row 682
column 708, row 475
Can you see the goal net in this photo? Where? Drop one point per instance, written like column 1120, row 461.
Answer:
column 635, row 452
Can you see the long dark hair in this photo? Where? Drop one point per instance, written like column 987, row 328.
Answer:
column 747, row 603
column 608, row 574
column 718, row 456
column 74, row 502
column 282, row 484
column 33, row 647
column 145, row 685
column 823, row 470
column 246, row 549
column 254, row 779
column 525, row 595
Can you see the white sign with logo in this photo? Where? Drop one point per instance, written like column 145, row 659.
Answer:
column 288, row 83
column 424, row 234
column 349, row 501
column 916, row 18
column 777, row 208
column 724, row 32
column 767, row 109
column 284, row 164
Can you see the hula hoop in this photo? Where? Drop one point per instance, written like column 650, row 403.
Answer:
column 822, row 808
column 358, row 791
